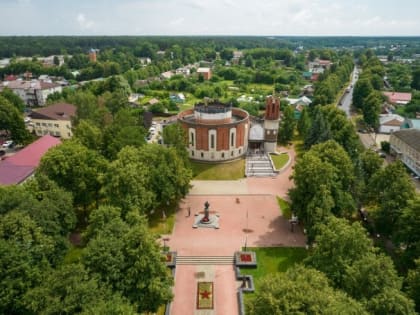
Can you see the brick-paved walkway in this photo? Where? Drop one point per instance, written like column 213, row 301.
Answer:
column 245, row 204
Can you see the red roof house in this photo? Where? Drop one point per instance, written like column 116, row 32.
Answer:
column 398, row 97
column 17, row 168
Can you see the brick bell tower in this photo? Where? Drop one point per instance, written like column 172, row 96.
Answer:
column 271, row 123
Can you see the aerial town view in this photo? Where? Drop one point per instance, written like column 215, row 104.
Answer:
column 225, row 157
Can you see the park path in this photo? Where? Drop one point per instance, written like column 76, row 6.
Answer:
column 249, row 215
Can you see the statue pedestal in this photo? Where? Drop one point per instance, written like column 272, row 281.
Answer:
column 213, row 221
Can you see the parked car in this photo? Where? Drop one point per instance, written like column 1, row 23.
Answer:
column 8, row 144
column 2, row 153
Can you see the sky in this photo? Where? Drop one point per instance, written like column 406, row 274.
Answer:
column 210, row 17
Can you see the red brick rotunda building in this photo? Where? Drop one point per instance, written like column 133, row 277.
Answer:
column 216, row 131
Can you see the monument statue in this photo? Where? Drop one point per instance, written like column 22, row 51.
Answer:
column 206, row 212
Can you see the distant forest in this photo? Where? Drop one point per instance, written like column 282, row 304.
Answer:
column 28, row 46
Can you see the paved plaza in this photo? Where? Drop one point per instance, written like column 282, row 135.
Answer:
column 249, row 215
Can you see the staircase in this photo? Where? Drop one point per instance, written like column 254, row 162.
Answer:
column 259, row 165
column 205, row 260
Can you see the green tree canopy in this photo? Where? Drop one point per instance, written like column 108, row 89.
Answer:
column 11, row 120
column 301, row 291
column 390, row 190
column 77, row 169
column 127, row 257
column 71, row 290
column 287, row 125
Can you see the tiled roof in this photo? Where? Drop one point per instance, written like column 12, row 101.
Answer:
column 59, row 111
column 17, row 168
column 398, row 97
column 409, row 136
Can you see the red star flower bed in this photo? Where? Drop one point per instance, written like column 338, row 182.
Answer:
column 205, row 295
column 246, row 257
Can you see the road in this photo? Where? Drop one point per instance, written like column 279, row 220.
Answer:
column 347, row 98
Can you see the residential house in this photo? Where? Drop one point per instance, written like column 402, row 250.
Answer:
column 145, row 61
column 34, row 92
column 410, row 123
column 54, row 120
column 153, row 101
column 405, row 144
column 399, row 98
column 390, row 123
column 167, row 75
column 305, row 101
column 18, row 168
column 185, row 71
column 177, row 98
column 237, row 55
column 205, row 72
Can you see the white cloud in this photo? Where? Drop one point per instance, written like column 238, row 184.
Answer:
column 84, row 23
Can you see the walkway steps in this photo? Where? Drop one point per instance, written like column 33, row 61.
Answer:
column 205, row 260
column 259, row 165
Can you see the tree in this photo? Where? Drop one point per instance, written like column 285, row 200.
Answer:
column 13, row 99
column 304, row 123
column 319, row 131
column 362, row 89
column 324, row 181
column 338, row 246
column 301, row 291
column 11, row 120
column 77, row 169
column 389, row 190
column 371, row 109
column 287, row 125
column 127, row 258
column 71, row 290
column 415, row 83
column 407, row 234
column 127, row 182
column 369, row 275
column 371, row 163
column 25, row 252
column 413, row 284
column 56, row 61
column 390, row 301
column 88, row 134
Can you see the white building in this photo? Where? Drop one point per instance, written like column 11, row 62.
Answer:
column 389, row 123
column 33, row 93
column 405, row 144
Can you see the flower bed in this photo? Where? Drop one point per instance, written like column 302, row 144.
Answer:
column 243, row 259
column 205, row 295
column 169, row 258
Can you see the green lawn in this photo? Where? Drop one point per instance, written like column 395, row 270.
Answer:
column 224, row 171
column 159, row 224
column 285, row 208
column 271, row 260
column 279, row 160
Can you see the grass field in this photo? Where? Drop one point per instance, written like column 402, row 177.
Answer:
column 160, row 224
column 270, row 261
column 285, row 208
column 274, row 259
column 279, row 160
column 224, row 171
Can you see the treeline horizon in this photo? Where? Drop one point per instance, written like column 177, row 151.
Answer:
column 28, row 46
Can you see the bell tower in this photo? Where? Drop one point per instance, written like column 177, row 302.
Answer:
column 271, row 123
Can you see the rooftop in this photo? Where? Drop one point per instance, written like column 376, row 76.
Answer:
column 398, row 97
column 58, row 111
column 409, row 136
column 20, row 166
